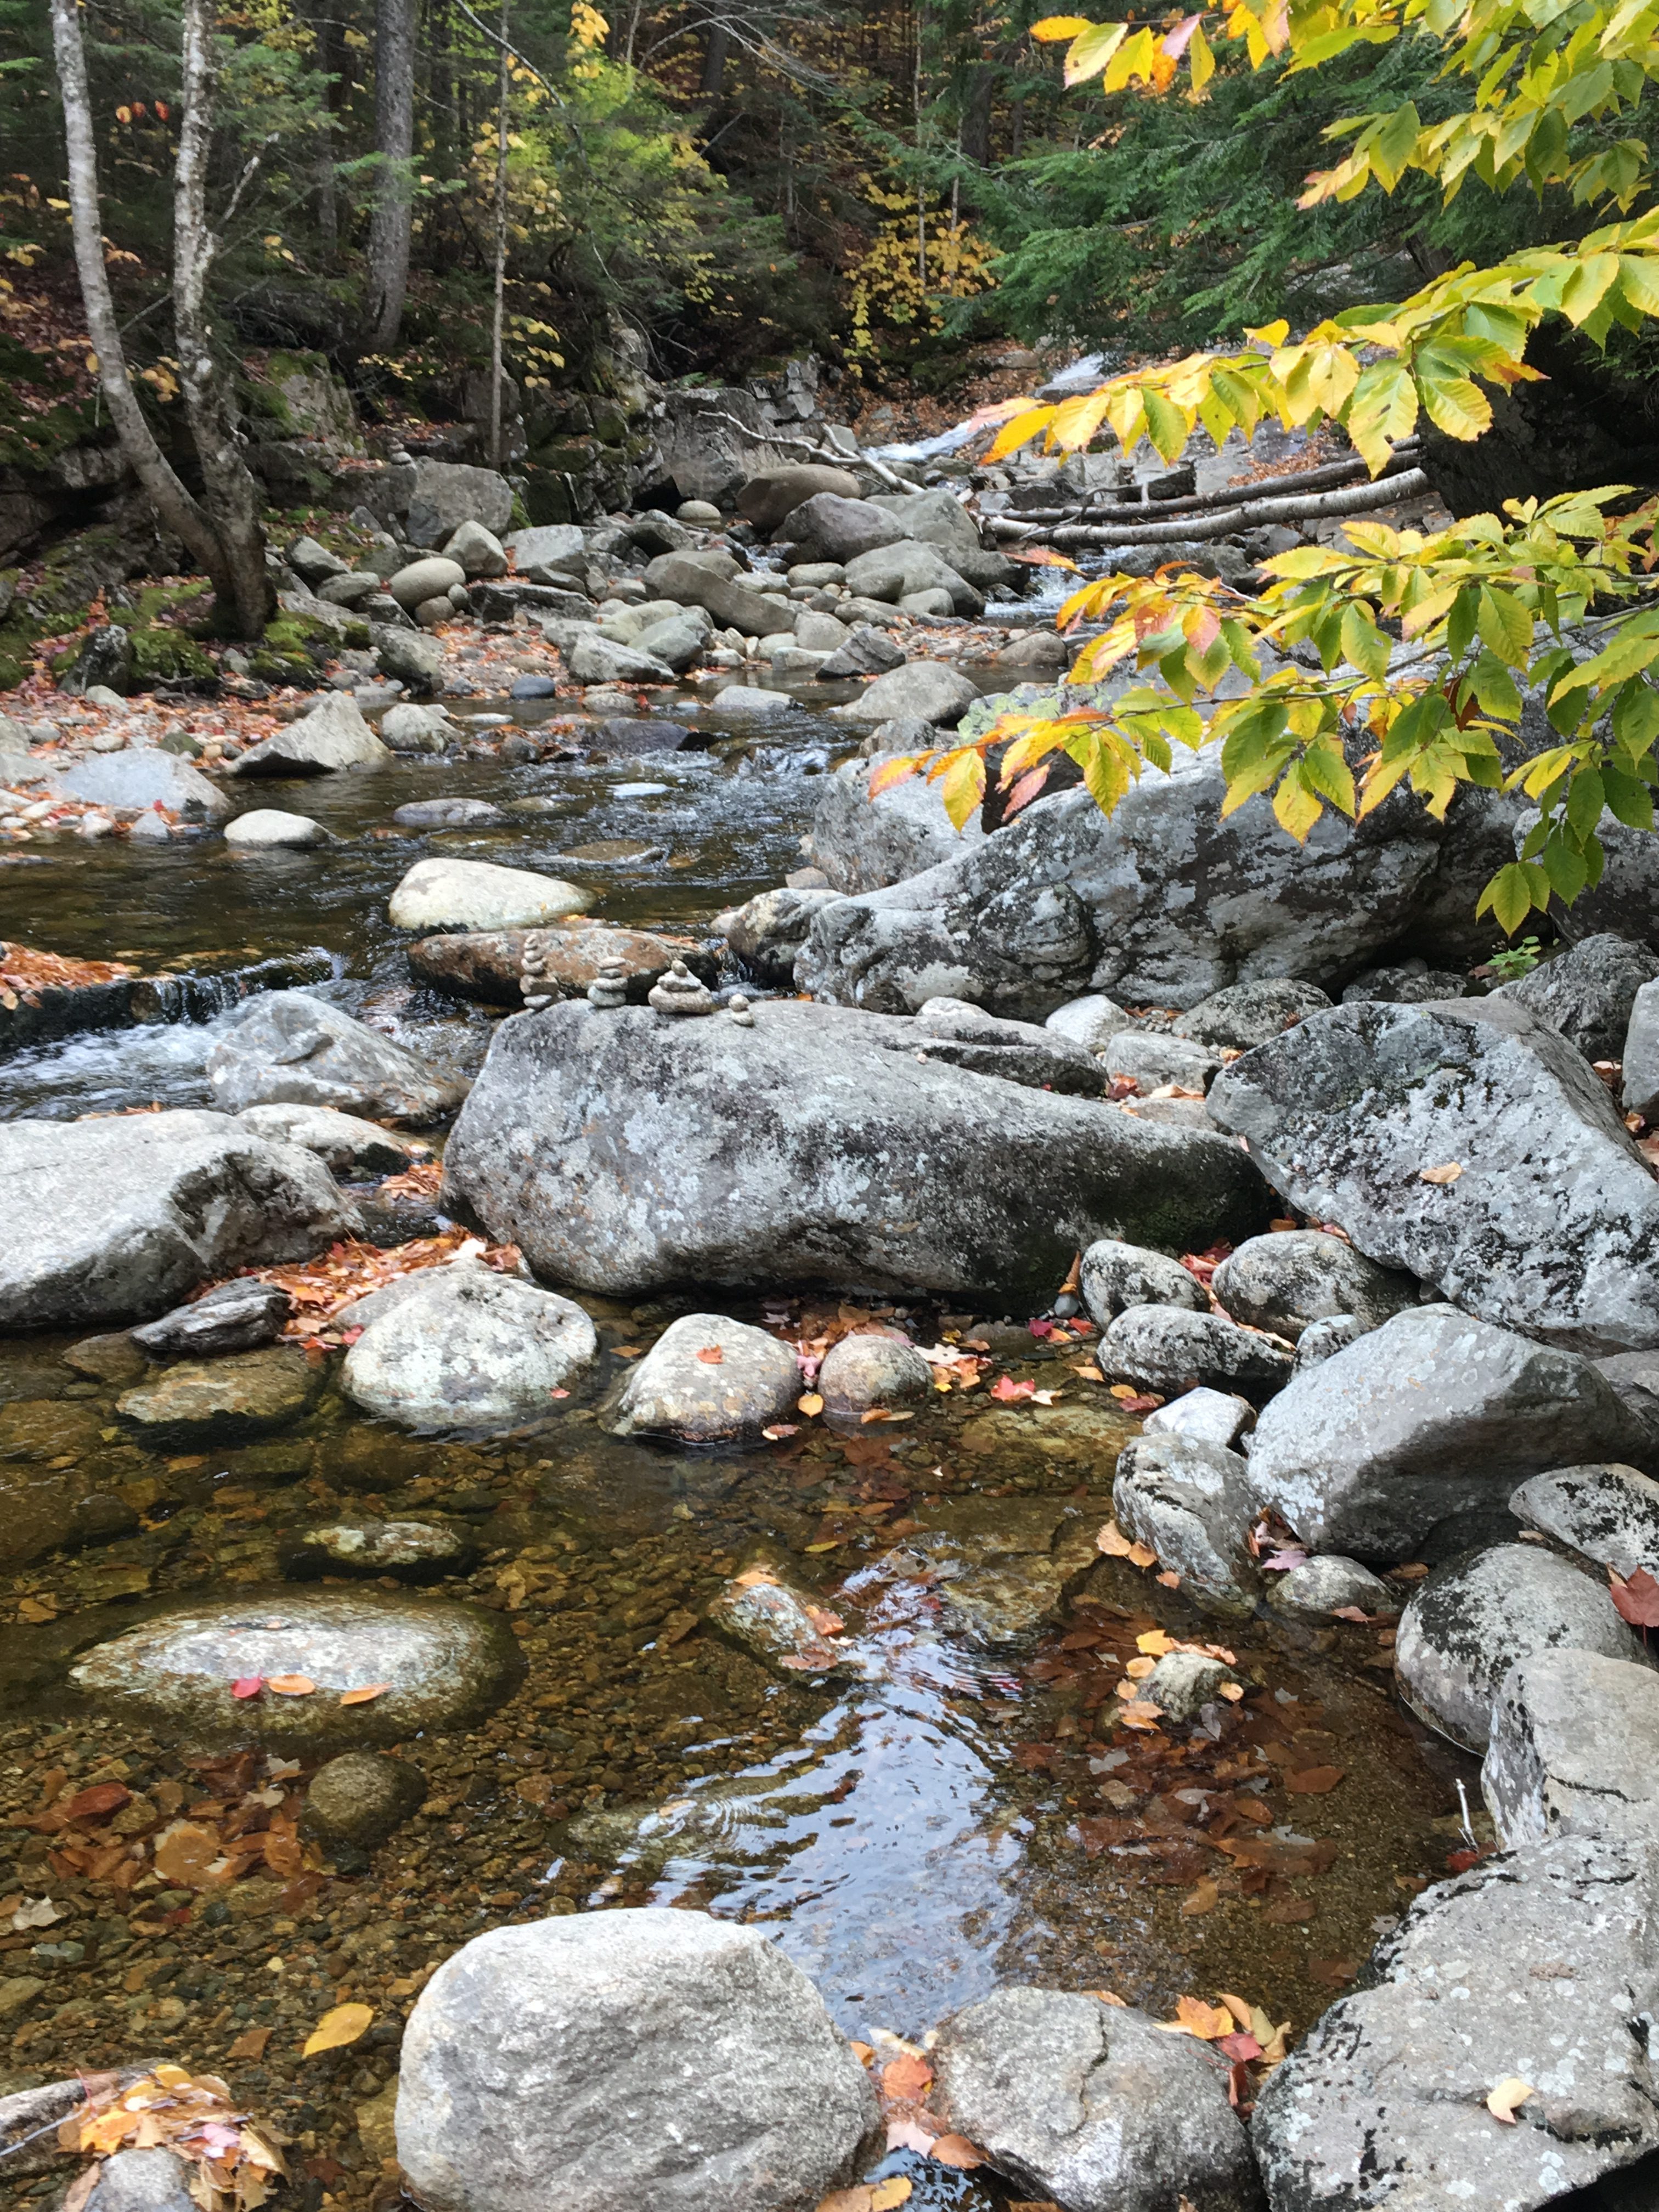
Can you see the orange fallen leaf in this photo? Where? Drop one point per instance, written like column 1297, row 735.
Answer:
column 1447, row 1174
column 1232, row 1691
column 1155, row 1643
column 712, row 1355
column 1504, row 2100
column 184, row 1853
column 1203, row 1896
column 1108, row 1997
column 250, row 2043
column 1169, row 1579
column 337, row 2028
column 956, row 2150
column 906, row 2077
column 368, row 1692
column 809, row 1403
column 904, row 2133
column 1314, row 1780
column 885, row 2196
column 290, row 1685
column 1207, row 2021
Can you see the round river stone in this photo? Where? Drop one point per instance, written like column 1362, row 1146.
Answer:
column 445, row 1663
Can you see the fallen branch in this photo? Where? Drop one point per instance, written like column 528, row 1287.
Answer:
column 1208, row 502
column 815, row 453
column 1307, row 506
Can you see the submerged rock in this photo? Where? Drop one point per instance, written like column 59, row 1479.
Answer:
column 249, row 1393
column 115, row 1219
column 360, row 1797
column 413, row 1551
column 679, row 2061
column 290, row 1049
column 444, row 1666
column 1574, row 1750
column 1468, row 1143
column 461, row 1347
column 1530, row 1967
column 707, row 1379
column 782, row 1627
column 1002, row 1567
column 1428, row 1415
column 1093, row 2106
column 1475, row 1618
column 267, row 828
column 620, row 1151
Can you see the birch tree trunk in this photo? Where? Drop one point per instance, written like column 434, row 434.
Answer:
column 230, row 495
column 172, row 502
column 394, row 142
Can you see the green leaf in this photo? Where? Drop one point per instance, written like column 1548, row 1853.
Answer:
column 1495, row 688
column 1506, row 625
column 1565, row 869
column 1508, row 898
column 1460, row 621
column 1629, row 799
column 1636, row 717
column 1363, row 646
column 1586, row 796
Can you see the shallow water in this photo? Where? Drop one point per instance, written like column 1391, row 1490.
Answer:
column 949, row 1814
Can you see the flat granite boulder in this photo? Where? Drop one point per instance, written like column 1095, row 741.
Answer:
column 447, row 894
column 1542, row 1966
column 445, row 1665
column 1466, row 1142
column 118, row 1219
column 291, row 1049
column 462, row 1347
column 331, row 737
column 627, row 1149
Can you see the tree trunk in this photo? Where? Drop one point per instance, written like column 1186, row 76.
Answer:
column 717, row 43
column 394, row 142
column 230, row 495
column 326, row 30
column 178, row 511
column 498, row 309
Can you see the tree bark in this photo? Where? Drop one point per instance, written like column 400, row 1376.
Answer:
column 230, row 495
column 172, row 501
column 498, row 308
column 394, row 142
column 717, row 44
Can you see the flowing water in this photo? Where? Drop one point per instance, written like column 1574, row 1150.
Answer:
column 958, row 1807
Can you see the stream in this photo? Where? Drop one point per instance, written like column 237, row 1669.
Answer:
column 956, row 1808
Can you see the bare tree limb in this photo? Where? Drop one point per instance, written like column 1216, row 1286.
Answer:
column 1356, row 499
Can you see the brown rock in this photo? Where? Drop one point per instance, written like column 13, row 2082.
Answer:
column 483, row 963
column 115, row 1358
column 242, row 1395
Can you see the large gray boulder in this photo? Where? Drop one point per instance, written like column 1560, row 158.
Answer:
column 1114, row 1275
column 1532, row 1966
column 444, row 1666
column 863, row 844
column 770, row 497
column 1163, row 904
column 289, row 1048
column 346, row 1143
column 925, row 689
column 1468, row 1143
column 1166, row 1348
column 1245, row 1015
column 930, row 518
column 767, row 931
column 622, row 1150
column 1093, row 2106
column 1477, row 1616
column 144, row 777
column 1190, row 1500
column 1586, row 992
column 1427, row 1416
column 644, row 2057
column 1640, row 1055
column 704, row 580
column 1286, row 1281
column 449, row 894
column 445, row 494
column 827, row 527
column 116, row 1219
column 331, row 737
column 462, row 1347
column 892, row 572
column 1574, row 1750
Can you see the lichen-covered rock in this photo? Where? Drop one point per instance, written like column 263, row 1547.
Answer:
column 646, row 2057
column 1190, row 1501
column 1542, row 1215
column 1166, row 1348
column 448, row 894
column 623, row 1149
column 1531, row 1966
column 238, row 1316
column 346, row 1143
column 443, row 1665
column 1610, row 1514
column 290, row 1049
column 1212, row 1417
column 1244, row 1015
column 1286, row 1281
column 1470, row 1622
column 462, row 1347
column 768, row 931
column 1587, row 992
column 1574, row 1750
column 1328, row 1583
column 1114, row 1276
column 1183, row 1683
column 1093, row 2105
column 331, row 737
column 863, row 844
column 1428, row 1415
column 116, row 1219
column 707, row 1379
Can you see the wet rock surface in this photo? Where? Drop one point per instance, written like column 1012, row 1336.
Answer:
column 706, row 1378
column 440, row 1664
column 462, row 1347
column 289, row 1048
column 247, row 1394
column 1190, row 1501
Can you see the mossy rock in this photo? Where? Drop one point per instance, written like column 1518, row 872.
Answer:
column 164, row 655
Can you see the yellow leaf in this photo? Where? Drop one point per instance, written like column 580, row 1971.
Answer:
column 1020, row 431
column 1271, row 334
column 1053, row 29
column 1092, row 49
column 368, row 1692
column 886, row 2195
column 809, row 1403
column 1450, row 1173
column 343, row 2025
column 1503, row 2101
column 1207, row 2022
column 1202, row 60
column 1155, row 1642
column 1138, row 1669
column 896, row 770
